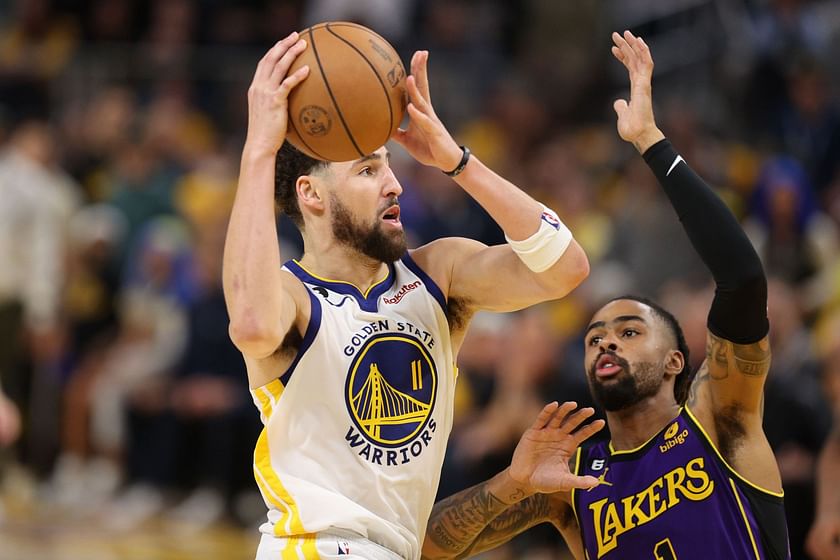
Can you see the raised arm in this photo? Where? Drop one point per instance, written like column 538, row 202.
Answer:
column 493, row 278
column 261, row 299
column 739, row 354
column 523, row 495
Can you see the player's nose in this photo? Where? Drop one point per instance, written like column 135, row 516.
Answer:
column 392, row 186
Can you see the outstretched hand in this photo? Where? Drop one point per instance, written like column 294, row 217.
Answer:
column 425, row 138
column 635, row 118
column 541, row 460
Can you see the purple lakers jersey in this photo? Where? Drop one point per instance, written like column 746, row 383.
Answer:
column 675, row 498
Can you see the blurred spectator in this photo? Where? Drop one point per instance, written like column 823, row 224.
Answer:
column 196, row 432
column 150, row 340
column 794, row 238
column 36, row 201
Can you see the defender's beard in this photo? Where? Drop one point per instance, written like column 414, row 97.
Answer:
column 628, row 389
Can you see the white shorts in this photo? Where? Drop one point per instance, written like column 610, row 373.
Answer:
column 324, row 546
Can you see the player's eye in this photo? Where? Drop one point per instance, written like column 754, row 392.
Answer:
column 629, row 333
column 366, row 171
column 594, row 340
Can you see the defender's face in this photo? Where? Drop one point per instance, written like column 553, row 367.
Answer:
column 626, row 350
column 364, row 206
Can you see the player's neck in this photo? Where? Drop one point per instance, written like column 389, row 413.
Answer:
column 633, row 426
column 341, row 263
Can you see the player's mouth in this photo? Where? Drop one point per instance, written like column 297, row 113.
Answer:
column 608, row 365
column 391, row 216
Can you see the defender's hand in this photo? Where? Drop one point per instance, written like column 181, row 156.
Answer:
column 635, row 119
column 269, row 93
column 426, row 139
column 541, row 460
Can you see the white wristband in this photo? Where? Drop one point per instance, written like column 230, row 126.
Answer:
column 540, row 251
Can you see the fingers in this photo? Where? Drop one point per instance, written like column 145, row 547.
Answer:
column 584, row 482
column 545, row 416
column 269, row 60
column 416, row 95
column 620, row 106
column 588, row 431
column 294, row 79
column 576, row 419
column 632, row 51
column 419, row 69
column 420, row 118
column 561, row 414
column 278, row 73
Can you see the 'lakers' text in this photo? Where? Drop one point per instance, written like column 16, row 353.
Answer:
column 614, row 518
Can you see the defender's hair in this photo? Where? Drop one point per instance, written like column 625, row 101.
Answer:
column 683, row 381
column 289, row 165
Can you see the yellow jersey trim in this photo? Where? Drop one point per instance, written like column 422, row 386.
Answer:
column 274, row 492
column 744, row 516
column 654, row 436
column 322, row 279
column 572, row 493
column 727, row 465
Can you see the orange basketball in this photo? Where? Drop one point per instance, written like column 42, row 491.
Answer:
column 354, row 97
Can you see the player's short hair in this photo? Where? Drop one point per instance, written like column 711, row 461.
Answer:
column 683, row 381
column 289, row 165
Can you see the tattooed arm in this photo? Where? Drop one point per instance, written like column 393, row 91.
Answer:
column 513, row 520
column 495, row 511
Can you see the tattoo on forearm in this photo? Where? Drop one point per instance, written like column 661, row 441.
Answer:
column 457, row 520
column 514, row 520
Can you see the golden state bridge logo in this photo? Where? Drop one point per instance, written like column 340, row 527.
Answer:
column 390, row 395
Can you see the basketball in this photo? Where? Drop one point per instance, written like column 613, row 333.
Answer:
column 354, row 97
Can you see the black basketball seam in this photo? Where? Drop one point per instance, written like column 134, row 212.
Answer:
column 332, row 97
column 291, row 122
column 375, row 73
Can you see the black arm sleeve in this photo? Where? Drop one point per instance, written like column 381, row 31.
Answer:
column 739, row 310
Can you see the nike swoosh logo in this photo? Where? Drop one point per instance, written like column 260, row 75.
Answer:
column 673, row 165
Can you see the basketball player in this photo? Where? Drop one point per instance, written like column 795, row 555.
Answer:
column 689, row 473
column 351, row 350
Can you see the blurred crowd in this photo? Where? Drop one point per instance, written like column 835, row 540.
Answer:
column 121, row 123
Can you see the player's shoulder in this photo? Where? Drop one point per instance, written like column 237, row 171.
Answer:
column 437, row 258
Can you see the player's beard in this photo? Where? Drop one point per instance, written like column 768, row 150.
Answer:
column 628, row 388
column 370, row 240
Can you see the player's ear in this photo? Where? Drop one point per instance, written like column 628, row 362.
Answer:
column 674, row 362
column 310, row 194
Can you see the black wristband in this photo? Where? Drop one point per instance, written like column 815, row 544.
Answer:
column 461, row 165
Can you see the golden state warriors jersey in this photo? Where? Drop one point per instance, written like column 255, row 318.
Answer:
column 355, row 430
column 675, row 498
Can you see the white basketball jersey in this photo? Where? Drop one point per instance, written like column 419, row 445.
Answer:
column 355, row 430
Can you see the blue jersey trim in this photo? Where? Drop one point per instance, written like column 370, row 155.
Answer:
column 308, row 338
column 431, row 287
column 368, row 301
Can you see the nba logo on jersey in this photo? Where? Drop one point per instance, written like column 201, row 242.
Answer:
column 343, row 548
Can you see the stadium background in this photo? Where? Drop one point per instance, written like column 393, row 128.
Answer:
column 121, row 123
